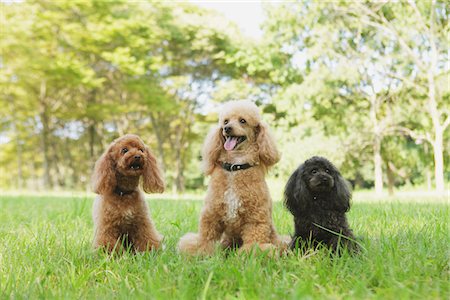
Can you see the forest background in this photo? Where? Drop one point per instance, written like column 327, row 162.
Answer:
column 366, row 84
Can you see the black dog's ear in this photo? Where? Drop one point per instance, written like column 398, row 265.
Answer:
column 296, row 194
column 343, row 193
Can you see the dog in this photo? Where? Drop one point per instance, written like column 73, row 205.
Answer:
column 238, row 208
column 318, row 197
column 120, row 213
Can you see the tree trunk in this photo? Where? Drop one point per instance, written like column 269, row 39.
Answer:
column 438, row 150
column 60, row 176
column 433, row 108
column 391, row 178
column 45, row 134
column 91, row 131
column 378, row 165
column 179, row 179
column 376, row 145
column 160, row 142
column 437, row 143
column 19, row 164
column 19, row 154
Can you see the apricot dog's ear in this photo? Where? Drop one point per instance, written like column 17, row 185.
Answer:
column 153, row 180
column 268, row 152
column 211, row 149
column 104, row 177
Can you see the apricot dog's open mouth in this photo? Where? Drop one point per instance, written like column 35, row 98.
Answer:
column 231, row 142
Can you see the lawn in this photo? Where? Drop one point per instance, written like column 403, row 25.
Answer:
column 45, row 252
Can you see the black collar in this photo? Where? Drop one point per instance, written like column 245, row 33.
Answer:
column 120, row 192
column 235, row 167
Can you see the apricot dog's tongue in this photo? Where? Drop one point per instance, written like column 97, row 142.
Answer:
column 230, row 143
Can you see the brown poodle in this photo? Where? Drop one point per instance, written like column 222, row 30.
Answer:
column 120, row 213
column 238, row 208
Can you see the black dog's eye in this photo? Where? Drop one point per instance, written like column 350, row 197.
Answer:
column 242, row 121
column 326, row 170
column 313, row 171
column 225, row 122
column 124, row 150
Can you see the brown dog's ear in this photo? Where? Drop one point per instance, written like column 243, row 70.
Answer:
column 153, row 181
column 268, row 152
column 104, row 178
column 212, row 147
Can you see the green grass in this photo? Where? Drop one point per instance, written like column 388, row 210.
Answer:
column 45, row 252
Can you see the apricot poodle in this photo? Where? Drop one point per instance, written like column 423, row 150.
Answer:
column 120, row 213
column 238, row 208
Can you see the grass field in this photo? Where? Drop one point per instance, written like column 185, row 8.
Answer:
column 45, row 252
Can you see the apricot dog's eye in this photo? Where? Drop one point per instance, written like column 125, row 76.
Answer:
column 242, row 121
column 225, row 122
column 142, row 150
column 124, row 150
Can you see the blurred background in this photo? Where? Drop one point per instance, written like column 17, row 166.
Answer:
column 365, row 84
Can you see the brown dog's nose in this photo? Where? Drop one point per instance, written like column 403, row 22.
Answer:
column 137, row 157
column 228, row 129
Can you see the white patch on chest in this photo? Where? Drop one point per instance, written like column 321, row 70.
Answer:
column 233, row 203
column 128, row 214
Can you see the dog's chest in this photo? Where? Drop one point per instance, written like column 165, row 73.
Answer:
column 128, row 215
column 232, row 202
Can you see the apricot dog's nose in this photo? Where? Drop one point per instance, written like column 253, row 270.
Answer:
column 137, row 157
column 228, row 129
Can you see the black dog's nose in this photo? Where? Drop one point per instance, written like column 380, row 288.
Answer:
column 137, row 157
column 324, row 179
column 228, row 129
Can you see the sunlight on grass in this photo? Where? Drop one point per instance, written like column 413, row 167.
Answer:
column 46, row 253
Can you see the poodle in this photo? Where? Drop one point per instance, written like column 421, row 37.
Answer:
column 318, row 197
column 120, row 213
column 238, row 208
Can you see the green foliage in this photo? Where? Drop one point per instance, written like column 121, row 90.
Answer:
column 369, row 71
column 346, row 80
column 83, row 73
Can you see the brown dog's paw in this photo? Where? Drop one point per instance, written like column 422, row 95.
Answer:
column 191, row 244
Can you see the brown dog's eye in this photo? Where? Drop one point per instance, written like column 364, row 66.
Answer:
column 225, row 122
column 242, row 121
column 124, row 150
column 142, row 150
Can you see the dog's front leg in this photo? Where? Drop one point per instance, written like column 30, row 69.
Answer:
column 108, row 239
column 211, row 229
column 146, row 238
column 202, row 243
column 257, row 235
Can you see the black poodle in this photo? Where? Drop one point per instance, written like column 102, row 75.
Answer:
column 318, row 197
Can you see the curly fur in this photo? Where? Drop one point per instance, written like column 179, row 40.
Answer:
column 238, row 206
column 120, row 213
column 318, row 197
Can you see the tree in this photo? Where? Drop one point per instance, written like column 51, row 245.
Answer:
column 81, row 73
column 356, row 57
column 421, row 32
